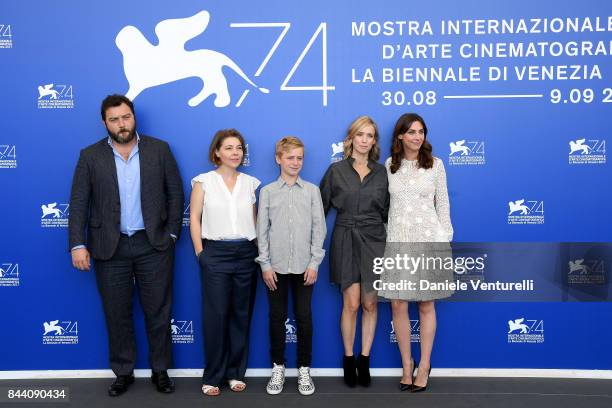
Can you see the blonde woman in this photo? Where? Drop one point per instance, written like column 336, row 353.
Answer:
column 357, row 188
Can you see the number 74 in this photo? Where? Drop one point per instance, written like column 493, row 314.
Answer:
column 321, row 30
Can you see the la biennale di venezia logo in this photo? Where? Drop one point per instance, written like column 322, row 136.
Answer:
column 146, row 65
column 522, row 330
column 522, row 212
column 60, row 332
column 55, row 96
column 6, row 36
column 54, row 215
column 587, row 151
column 466, row 152
column 9, row 274
column 8, row 156
column 182, row 331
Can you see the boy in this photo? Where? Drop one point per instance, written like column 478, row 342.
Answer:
column 290, row 233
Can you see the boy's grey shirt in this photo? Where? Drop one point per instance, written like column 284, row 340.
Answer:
column 290, row 227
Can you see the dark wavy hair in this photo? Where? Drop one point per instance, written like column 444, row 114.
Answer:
column 425, row 158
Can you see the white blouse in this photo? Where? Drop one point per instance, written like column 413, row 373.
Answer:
column 227, row 215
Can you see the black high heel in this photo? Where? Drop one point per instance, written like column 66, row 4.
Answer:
column 408, row 387
column 350, row 373
column 416, row 388
column 363, row 371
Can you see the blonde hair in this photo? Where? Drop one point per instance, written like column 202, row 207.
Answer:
column 355, row 127
column 287, row 143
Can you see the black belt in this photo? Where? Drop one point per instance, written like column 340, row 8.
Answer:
column 353, row 223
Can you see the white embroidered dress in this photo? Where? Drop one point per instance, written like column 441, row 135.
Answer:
column 419, row 227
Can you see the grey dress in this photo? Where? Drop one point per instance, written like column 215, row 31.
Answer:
column 359, row 233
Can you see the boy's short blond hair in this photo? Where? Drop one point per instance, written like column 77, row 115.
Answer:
column 288, row 143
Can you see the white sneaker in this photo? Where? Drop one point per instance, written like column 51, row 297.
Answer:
column 305, row 384
column 277, row 380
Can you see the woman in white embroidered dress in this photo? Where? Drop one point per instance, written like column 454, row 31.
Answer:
column 420, row 227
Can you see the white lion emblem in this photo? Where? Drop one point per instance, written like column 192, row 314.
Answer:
column 53, row 327
column 147, row 65
column 47, row 90
column 50, row 209
column 337, row 148
column 518, row 206
column 173, row 327
column 579, row 145
column 517, row 324
column 289, row 328
column 578, row 266
column 457, row 147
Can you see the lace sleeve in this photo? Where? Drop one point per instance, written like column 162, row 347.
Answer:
column 441, row 199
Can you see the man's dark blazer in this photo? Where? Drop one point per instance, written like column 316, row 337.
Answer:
column 94, row 200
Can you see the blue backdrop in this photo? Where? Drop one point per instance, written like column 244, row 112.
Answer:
column 324, row 63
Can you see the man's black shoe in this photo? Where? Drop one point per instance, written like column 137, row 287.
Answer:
column 162, row 382
column 120, row 385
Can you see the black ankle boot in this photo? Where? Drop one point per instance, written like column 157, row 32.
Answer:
column 363, row 370
column 350, row 375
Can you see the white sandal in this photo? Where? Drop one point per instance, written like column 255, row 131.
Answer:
column 210, row 390
column 237, row 385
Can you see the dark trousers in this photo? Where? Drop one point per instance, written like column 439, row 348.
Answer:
column 229, row 277
column 136, row 262
column 278, row 300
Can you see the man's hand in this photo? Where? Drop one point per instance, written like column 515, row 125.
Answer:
column 270, row 279
column 80, row 258
column 310, row 277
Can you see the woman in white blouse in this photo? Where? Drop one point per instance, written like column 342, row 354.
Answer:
column 222, row 225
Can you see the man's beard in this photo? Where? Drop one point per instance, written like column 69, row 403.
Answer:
column 120, row 138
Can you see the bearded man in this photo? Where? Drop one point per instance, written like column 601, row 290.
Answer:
column 126, row 210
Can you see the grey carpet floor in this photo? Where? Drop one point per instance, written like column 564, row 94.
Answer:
column 331, row 392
